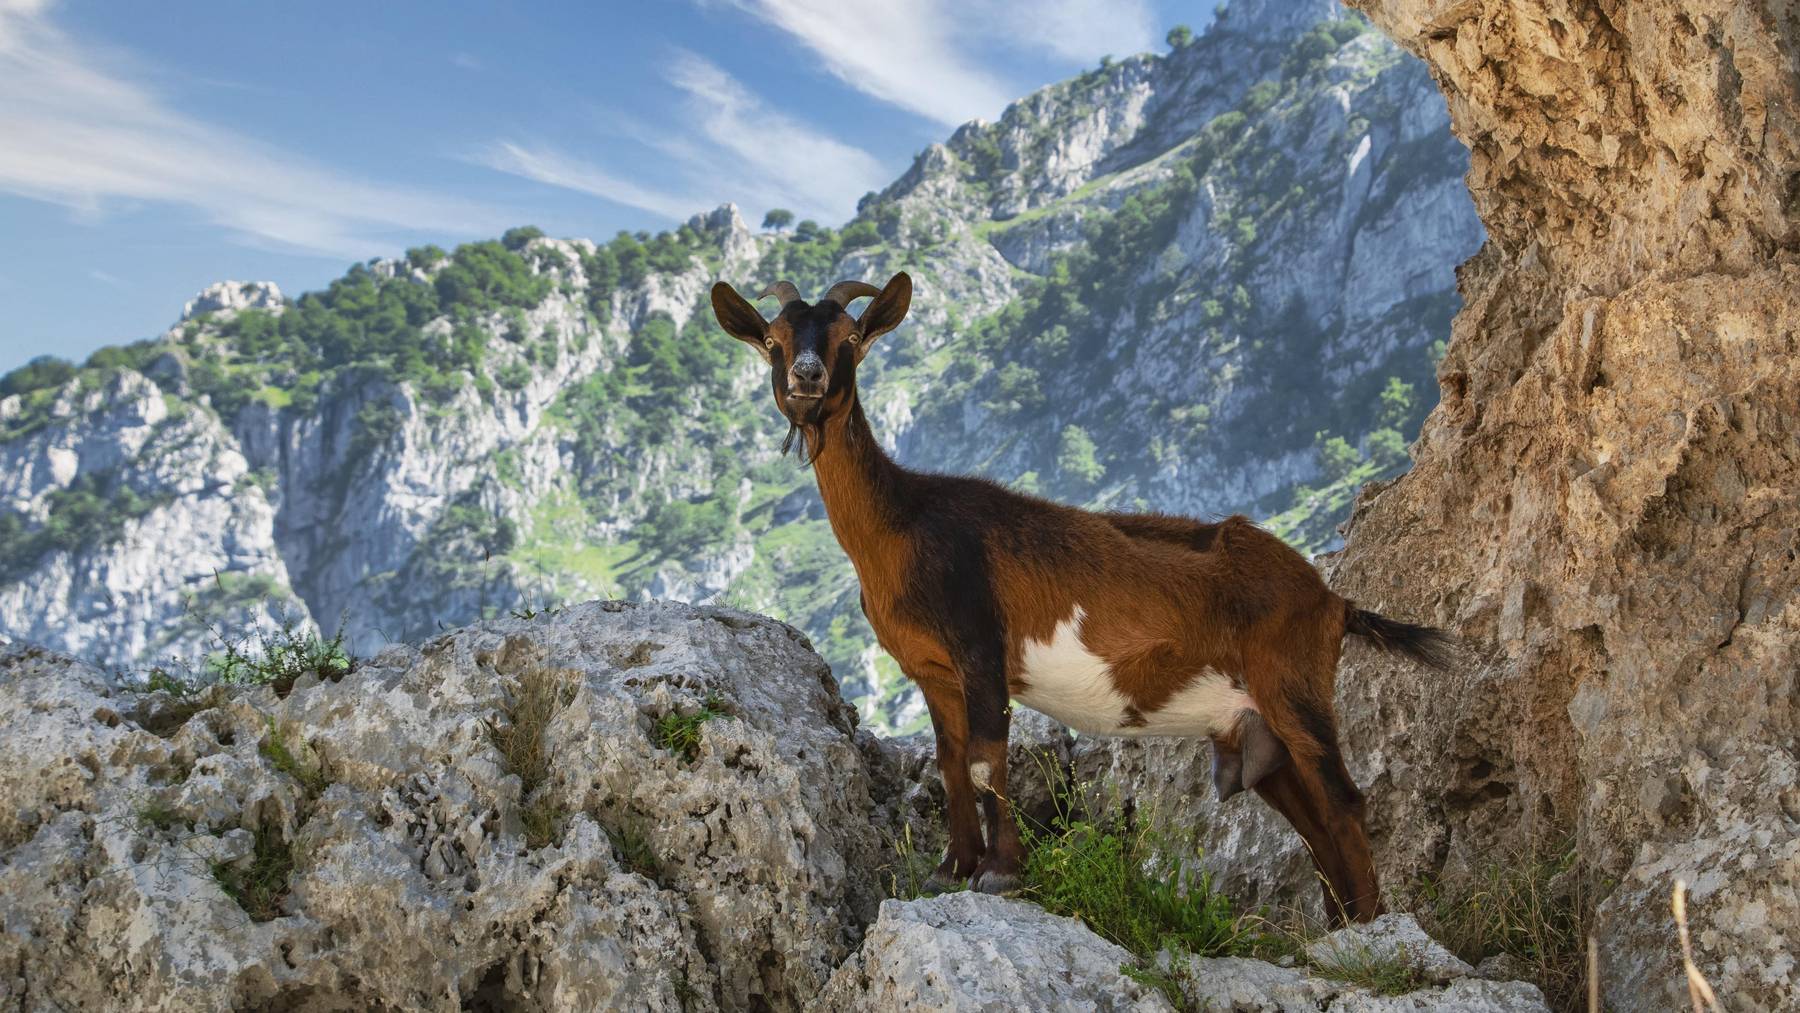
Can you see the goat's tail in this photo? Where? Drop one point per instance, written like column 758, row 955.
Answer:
column 1426, row 645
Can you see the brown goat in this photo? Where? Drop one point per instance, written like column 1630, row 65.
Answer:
column 1114, row 624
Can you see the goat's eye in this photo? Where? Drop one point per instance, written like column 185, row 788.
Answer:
column 769, row 343
column 855, row 338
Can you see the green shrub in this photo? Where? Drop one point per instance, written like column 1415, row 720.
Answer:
column 1337, row 457
column 279, row 657
column 43, row 371
column 1075, row 457
column 680, row 733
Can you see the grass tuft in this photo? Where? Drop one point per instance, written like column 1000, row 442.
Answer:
column 1112, row 874
column 536, row 698
column 910, row 868
column 1381, row 973
column 261, row 885
column 634, row 850
column 1116, row 869
column 275, row 749
column 680, row 733
column 1533, row 905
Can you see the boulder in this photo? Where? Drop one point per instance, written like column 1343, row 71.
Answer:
column 366, row 842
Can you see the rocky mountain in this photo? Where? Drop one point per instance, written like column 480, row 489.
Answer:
column 1209, row 281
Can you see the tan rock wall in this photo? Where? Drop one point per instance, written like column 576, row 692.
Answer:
column 1606, row 504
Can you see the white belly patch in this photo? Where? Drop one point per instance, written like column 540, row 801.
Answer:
column 1074, row 685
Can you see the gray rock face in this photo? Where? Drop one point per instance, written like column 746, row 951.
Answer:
column 735, row 876
column 233, row 295
column 970, row 951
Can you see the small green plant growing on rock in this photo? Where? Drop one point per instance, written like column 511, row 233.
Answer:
column 911, row 867
column 261, row 884
column 278, row 658
column 1111, row 872
column 276, row 750
column 1381, row 973
column 680, row 733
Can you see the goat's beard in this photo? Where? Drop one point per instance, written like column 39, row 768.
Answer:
column 812, row 440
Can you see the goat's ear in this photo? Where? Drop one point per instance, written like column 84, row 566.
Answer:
column 739, row 318
column 886, row 310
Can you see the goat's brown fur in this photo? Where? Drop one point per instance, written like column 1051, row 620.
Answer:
column 959, row 575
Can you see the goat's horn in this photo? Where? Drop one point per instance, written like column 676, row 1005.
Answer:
column 784, row 290
column 847, row 291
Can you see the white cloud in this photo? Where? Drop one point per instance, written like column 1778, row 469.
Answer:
column 78, row 136
column 925, row 56
column 728, row 146
column 546, row 165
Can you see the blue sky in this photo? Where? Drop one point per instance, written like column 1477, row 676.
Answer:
column 148, row 149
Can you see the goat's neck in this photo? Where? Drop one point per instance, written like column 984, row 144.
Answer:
column 861, row 489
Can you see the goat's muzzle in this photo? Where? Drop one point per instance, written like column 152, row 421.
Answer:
column 806, row 378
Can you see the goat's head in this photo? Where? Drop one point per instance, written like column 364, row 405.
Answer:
column 813, row 348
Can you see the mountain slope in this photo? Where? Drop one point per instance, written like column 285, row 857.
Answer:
column 1207, row 281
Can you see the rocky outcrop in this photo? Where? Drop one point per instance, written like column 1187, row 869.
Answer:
column 1604, row 504
column 618, row 806
column 233, row 295
column 374, row 841
column 970, row 951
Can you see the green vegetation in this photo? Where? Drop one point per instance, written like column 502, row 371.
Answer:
column 261, row 884
column 1075, row 457
column 1179, row 37
column 279, row 657
column 43, row 372
column 680, row 733
column 91, row 513
column 778, row 219
column 274, row 748
column 1117, row 873
column 1382, row 973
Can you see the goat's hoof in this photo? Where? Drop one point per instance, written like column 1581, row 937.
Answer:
column 938, row 883
column 1001, row 884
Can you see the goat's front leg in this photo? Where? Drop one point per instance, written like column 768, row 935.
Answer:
column 949, row 722
column 990, row 722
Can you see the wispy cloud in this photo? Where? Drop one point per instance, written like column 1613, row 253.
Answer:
column 77, row 135
column 105, row 278
column 729, row 145
column 926, row 56
column 546, row 165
